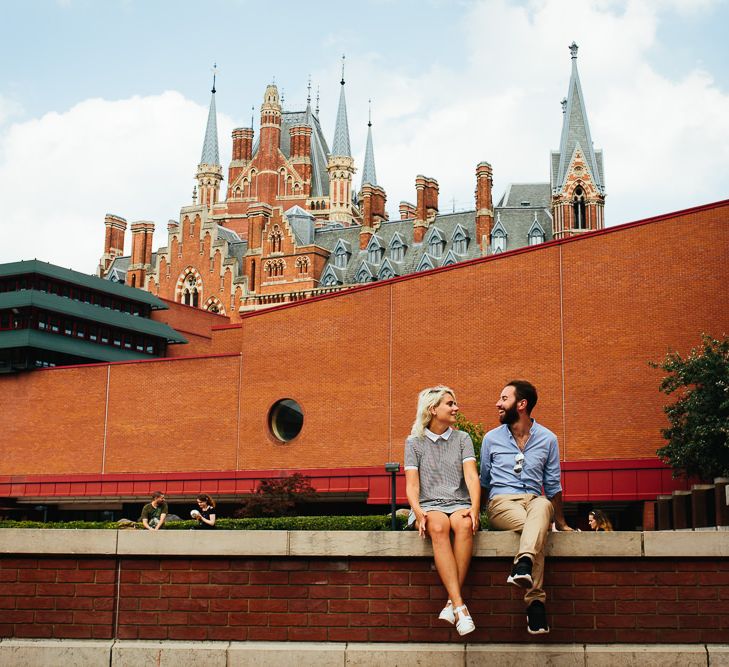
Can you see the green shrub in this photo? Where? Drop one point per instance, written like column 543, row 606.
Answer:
column 264, row 523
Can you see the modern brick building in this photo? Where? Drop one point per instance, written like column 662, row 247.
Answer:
column 293, row 225
column 328, row 386
column 51, row 316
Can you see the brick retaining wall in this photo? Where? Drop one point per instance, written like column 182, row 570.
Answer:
column 365, row 597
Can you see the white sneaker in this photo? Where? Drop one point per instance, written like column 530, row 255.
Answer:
column 447, row 614
column 465, row 624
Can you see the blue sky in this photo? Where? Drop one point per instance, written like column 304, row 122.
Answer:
column 103, row 104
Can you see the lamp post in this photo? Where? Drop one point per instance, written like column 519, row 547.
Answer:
column 393, row 469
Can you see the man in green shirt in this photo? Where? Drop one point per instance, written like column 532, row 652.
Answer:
column 154, row 513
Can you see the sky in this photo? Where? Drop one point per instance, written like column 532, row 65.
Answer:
column 103, row 105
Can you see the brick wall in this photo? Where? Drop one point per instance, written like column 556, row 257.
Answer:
column 580, row 318
column 624, row 600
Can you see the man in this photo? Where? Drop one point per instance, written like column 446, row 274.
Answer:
column 155, row 513
column 517, row 459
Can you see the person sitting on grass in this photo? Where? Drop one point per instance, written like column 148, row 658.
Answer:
column 154, row 513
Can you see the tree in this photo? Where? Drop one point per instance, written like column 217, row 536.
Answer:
column 474, row 429
column 278, row 497
column 698, row 436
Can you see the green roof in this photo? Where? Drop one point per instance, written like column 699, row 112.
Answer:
column 83, row 280
column 66, row 306
column 65, row 345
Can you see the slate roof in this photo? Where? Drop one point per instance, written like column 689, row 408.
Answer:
column 210, row 144
column 319, row 147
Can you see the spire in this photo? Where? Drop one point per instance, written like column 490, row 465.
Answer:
column 340, row 145
column 210, row 145
column 368, row 170
column 317, row 101
column 576, row 130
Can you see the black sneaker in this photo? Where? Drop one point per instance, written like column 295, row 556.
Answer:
column 537, row 618
column 521, row 573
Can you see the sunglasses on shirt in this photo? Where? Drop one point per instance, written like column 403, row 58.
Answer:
column 518, row 463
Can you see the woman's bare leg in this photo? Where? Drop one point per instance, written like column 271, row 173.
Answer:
column 462, row 543
column 438, row 527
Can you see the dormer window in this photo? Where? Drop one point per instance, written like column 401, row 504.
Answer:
column 536, row 237
column 436, row 244
column 341, row 257
column 375, row 251
column 460, row 241
column 498, row 241
column 397, row 249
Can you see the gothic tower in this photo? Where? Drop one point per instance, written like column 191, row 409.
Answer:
column 209, row 171
column 578, row 190
column 341, row 166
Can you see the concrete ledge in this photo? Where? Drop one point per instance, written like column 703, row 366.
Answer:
column 168, row 654
column 678, row 655
column 35, row 652
column 49, row 541
column 713, row 544
column 373, row 544
column 122, row 653
column 509, row 655
column 203, row 542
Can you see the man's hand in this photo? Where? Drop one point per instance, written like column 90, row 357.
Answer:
column 559, row 520
column 562, row 526
column 420, row 519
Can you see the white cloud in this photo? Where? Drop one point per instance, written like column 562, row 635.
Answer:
column 664, row 140
column 502, row 106
column 63, row 172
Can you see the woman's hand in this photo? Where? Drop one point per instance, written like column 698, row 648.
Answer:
column 420, row 520
column 475, row 517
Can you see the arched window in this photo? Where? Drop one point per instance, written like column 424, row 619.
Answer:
column 275, row 239
column 397, row 249
column 374, row 253
column 302, row 264
column 341, row 256
column 435, row 246
column 578, row 207
column 498, row 241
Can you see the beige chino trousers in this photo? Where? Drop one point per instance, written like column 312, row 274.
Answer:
column 531, row 516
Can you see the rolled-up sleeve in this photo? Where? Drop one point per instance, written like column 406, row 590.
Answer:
column 552, row 473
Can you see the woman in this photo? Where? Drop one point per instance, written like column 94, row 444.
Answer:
column 598, row 521
column 444, row 493
column 205, row 515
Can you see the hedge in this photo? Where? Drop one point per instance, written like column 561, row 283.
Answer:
column 267, row 523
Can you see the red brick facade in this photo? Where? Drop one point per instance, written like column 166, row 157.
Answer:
column 581, row 318
column 605, row 600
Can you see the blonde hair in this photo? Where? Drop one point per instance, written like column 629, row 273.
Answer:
column 427, row 400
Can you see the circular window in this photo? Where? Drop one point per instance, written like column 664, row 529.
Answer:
column 285, row 419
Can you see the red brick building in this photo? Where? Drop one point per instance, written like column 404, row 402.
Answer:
column 350, row 364
column 293, row 225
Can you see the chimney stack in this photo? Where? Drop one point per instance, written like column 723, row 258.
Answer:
column 484, row 206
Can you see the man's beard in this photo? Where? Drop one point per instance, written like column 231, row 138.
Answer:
column 510, row 416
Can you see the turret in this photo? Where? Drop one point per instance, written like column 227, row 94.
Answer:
column 341, row 165
column 578, row 190
column 209, row 171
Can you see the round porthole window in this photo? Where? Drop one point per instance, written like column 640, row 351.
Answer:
column 285, row 419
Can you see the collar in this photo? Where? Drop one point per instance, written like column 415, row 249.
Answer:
column 443, row 436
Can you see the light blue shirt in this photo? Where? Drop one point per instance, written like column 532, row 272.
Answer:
column 540, row 467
